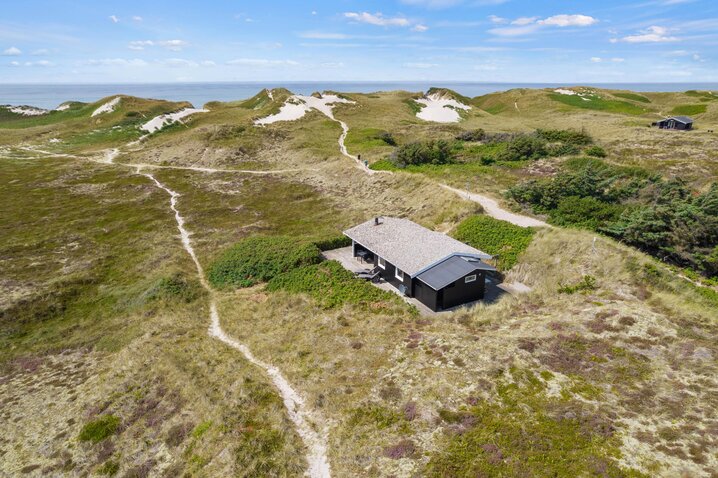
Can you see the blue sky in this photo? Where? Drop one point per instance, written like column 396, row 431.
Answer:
column 73, row 41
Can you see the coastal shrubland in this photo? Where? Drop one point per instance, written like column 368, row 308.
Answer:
column 498, row 238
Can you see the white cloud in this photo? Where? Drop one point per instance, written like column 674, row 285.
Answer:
column 653, row 34
column 419, row 65
column 260, row 62
column 114, row 19
column 40, row 52
column 527, row 25
column 420, row 28
column 314, row 12
column 178, row 63
column 208, row 63
column 15, row 63
column 173, row 45
column 498, row 20
column 569, row 21
column 41, row 63
column 331, row 64
column 116, row 62
column 377, row 19
column 12, row 51
column 524, row 21
column 595, row 59
column 137, row 18
column 618, row 60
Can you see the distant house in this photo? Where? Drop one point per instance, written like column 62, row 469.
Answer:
column 675, row 122
column 436, row 269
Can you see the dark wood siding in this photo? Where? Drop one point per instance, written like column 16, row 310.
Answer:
column 426, row 295
column 461, row 292
column 389, row 275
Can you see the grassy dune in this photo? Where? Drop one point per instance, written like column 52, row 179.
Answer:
column 106, row 366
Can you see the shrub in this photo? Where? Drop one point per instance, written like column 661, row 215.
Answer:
column 383, row 165
column 330, row 285
column 495, row 237
column 403, row 449
column 584, row 212
column 596, row 152
column 523, row 148
column 570, row 136
column 258, row 259
column 99, row 429
column 174, row 287
column 563, row 149
column 333, row 243
column 428, row 152
column 109, row 468
column 386, row 137
column 472, row 135
column 586, row 284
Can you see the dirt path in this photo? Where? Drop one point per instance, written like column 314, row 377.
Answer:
column 301, row 416
column 493, row 209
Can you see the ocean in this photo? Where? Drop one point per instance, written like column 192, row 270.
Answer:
column 50, row 96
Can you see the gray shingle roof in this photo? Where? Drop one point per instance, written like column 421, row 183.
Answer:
column 682, row 119
column 409, row 246
column 450, row 270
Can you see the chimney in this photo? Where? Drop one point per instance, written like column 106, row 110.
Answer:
column 377, row 220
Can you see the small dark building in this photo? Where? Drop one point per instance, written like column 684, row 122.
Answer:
column 675, row 122
column 436, row 269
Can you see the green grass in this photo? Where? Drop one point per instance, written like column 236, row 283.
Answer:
column 496, row 109
column 330, row 285
column 495, row 237
column 99, row 429
column 597, row 103
column 689, row 110
column 259, row 259
column 633, row 97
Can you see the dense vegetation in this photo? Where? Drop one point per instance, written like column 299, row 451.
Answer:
column 486, row 148
column 258, row 259
column 495, row 237
column 330, row 285
column 659, row 216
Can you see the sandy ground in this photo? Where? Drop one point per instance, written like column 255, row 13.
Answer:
column 159, row 122
column 298, row 105
column 108, row 107
column 492, row 208
column 440, row 110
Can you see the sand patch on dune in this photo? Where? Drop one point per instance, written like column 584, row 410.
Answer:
column 440, row 109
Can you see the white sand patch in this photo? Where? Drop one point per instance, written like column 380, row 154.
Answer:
column 562, row 91
column 439, row 109
column 298, row 105
column 159, row 122
column 270, row 94
column 55, row 140
column 108, row 107
column 26, row 110
column 63, row 107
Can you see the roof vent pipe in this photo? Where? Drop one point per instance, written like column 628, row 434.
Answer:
column 377, row 220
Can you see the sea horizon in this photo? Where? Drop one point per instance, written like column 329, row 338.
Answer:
column 51, row 95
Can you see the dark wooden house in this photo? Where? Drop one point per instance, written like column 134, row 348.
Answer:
column 675, row 122
column 436, row 269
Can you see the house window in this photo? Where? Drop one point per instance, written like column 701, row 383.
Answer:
column 381, row 262
column 471, row 278
column 399, row 274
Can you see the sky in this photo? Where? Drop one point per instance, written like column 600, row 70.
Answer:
column 129, row 41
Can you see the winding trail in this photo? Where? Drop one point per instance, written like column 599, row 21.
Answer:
column 493, row 209
column 301, row 416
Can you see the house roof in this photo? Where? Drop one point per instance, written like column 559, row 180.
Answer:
column 682, row 119
column 451, row 269
column 409, row 246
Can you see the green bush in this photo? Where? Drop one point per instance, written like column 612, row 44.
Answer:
column 333, row 243
column 584, row 212
column 563, row 149
column 386, row 137
column 472, row 135
column 97, row 430
column 586, row 284
column 427, row 152
column 596, row 152
column 523, row 148
column 258, row 259
column 173, row 288
column 570, row 136
column 495, row 237
column 330, row 285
